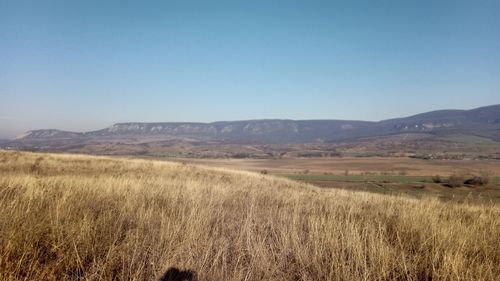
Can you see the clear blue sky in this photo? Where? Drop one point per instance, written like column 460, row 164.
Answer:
column 83, row 65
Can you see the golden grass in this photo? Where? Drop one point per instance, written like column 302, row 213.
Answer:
column 68, row 217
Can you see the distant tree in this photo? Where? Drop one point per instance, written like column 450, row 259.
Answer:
column 456, row 180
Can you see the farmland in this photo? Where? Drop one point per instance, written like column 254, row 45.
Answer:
column 387, row 175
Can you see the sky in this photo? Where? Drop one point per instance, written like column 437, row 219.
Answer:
column 85, row 64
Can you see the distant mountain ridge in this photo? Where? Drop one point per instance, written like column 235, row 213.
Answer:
column 483, row 121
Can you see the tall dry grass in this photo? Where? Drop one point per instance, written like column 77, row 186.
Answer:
column 76, row 217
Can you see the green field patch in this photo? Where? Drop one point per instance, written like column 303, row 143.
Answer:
column 469, row 139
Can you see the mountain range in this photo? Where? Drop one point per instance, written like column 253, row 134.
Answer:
column 481, row 122
column 443, row 134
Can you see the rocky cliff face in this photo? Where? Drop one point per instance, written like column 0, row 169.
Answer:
column 253, row 130
column 157, row 129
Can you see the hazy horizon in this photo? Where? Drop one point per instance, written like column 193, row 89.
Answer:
column 84, row 65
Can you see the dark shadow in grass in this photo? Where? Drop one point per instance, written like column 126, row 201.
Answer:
column 174, row 274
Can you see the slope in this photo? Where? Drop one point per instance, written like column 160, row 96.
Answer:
column 67, row 217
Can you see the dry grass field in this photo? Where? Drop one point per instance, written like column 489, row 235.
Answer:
column 69, row 217
column 355, row 165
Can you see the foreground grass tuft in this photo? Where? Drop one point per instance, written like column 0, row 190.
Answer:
column 68, row 217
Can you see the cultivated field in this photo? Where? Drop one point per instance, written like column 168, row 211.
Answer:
column 67, row 217
column 385, row 175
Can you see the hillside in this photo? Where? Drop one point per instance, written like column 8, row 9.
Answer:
column 67, row 217
column 483, row 121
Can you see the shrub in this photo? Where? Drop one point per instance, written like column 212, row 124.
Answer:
column 437, row 179
column 456, row 180
column 485, row 176
column 478, row 180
